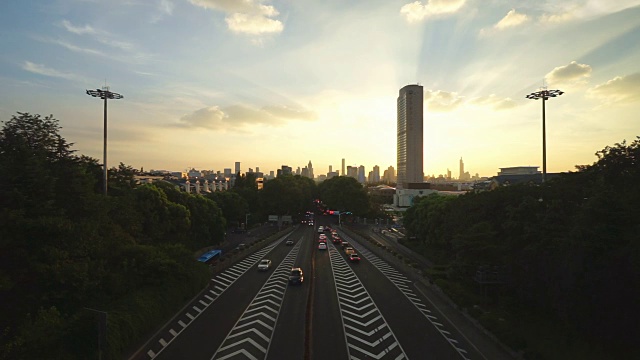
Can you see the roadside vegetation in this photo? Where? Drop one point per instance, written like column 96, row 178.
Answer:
column 565, row 257
column 69, row 255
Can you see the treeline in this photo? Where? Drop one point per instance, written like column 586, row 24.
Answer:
column 570, row 248
column 68, row 253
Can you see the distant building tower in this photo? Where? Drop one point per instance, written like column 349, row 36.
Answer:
column 237, row 167
column 376, row 174
column 343, row 171
column 352, row 171
column 361, row 176
column 461, row 170
column 389, row 175
column 330, row 168
column 410, row 136
column 310, row 167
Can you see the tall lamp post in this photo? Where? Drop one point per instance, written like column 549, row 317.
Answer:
column 105, row 94
column 544, row 94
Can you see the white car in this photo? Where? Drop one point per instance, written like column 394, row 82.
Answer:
column 320, row 228
column 264, row 265
column 322, row 246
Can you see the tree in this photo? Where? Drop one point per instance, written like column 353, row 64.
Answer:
column 287, row 195
column 234, row 207
column 345, row 193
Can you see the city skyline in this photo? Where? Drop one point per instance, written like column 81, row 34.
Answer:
column 207, row 83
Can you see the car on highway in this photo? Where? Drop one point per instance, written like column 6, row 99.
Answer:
column 349, row 250
column 345, row 244
column 241, row 246
column 322, row 246
column 289, row 242
column 354, row 258
column 264, row 265
column 337, row 241
column 322, row 236
column 296, row 276
column 320, row 229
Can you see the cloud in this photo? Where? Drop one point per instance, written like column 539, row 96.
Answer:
column 289, row 113
column 239, row 117
column 253, row 24
column 43, row 70
column 77, row 29
column 556, row 18
column 494, row 101
column 416, row 11
column 75, row 48
column 569, row 74
column 621, row 89
column 246, row 16
column 165, row 8
column 442, row 101
column 99, row 35
column 511, row 19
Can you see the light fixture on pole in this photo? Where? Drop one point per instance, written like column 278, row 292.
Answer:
column 544, row 94
column 105, row 94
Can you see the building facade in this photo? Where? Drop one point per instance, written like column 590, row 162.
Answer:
column 410, row 135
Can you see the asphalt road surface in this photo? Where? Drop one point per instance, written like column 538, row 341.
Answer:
column 342, row 310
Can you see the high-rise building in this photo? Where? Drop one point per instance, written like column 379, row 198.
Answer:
column 330, row 168
column 237, row 167
column 352, row 171
column 461, row 169
column 410, row 135
column 361, row 176
column 389, row 175
column 376, row 174
column 343, row 172
column 310, row 167
column 284, row 170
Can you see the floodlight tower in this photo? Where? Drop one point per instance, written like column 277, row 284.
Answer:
column 544, row 94
column 105, row 94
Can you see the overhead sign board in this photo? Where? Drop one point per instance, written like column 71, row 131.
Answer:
column 273, row 217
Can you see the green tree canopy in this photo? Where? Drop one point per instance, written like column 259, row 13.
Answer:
column 345, row 193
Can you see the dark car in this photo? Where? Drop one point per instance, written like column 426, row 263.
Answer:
column 296, row 277
column 289, row 242
column 354, row 258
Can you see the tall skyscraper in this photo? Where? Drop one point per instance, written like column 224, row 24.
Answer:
column 410, row 136
column 461, row 169
column 237, row 167
column 361, row 176
column 376, row 174
column 343, row 173
column 330, row 168
column 390, row 175
column 310, row 167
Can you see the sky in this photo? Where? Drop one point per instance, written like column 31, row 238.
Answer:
column 207, row 83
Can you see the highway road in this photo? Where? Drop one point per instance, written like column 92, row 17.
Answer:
column 342, row 310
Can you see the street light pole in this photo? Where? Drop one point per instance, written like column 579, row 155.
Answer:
column 105, row 94
column 544, row 94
